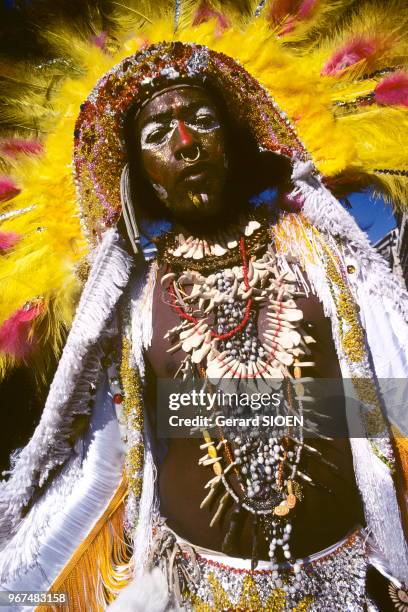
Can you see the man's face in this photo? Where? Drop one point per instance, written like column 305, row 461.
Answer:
column 182, row 146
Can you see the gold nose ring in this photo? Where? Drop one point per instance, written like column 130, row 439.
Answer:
column 188, row 158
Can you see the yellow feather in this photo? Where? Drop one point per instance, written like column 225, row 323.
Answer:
column 44, row 263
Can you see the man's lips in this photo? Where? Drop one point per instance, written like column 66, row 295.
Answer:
column 195, row 172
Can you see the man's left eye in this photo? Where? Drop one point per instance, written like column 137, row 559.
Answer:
column 205, row 121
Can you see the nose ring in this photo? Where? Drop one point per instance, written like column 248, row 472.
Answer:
column 191, row 155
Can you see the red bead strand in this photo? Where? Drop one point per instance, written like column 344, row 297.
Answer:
column 248, row 305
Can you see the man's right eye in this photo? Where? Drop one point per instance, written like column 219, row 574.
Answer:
column 156, row 136
column 153, row 133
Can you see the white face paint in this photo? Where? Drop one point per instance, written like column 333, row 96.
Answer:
column 155, row 134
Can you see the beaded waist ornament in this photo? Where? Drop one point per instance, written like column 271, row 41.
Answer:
column 334, row 579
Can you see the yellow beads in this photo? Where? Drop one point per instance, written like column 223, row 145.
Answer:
column 304, row 605
column 133, row 412
column 250, row 599
column 351, row 331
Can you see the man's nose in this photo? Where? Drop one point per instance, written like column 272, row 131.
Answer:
column 183, row 138
column 185, row 135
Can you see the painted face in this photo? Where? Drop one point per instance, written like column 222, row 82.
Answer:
column 182, row 148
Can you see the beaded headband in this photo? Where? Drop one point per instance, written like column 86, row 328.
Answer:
column 99, row 144
column 165, row 89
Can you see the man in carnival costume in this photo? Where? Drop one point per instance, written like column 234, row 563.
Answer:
column 215, row 251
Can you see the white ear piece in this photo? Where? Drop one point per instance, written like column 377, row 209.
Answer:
column 128, row 210
column 161, row 192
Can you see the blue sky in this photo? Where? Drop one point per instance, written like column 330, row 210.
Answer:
column 374, row 216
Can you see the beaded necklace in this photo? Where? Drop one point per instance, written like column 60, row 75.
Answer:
column 248, row 305
column 254, row 475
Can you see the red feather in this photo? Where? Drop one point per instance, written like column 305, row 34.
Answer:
column 393, row 90
column 280, row 9
column 8, row 240
column 8, row 188
column 288, row 13
column 357, row 49
column 15, row 333
column 14, row 146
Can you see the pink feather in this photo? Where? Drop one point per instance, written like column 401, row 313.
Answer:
column 393, row 89
column 8, row 240
column 205, row 12
column 15, row 337
column 305, row 8
column 14, row 146
column 100, row 40
column 357, row 49
column 292, row 203
column 8, row 188
column 288, row 27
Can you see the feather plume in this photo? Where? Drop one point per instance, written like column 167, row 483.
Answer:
column 370, row 36
column 100, row 40
column 393, row 90
column 205, row 12
column 302, row 23
column 16, row 338
column 306, row 7
column 11, row 147
column 286, row 14
column 8, row 240
column 354, row 51
column 277, row 11
column 8, row 188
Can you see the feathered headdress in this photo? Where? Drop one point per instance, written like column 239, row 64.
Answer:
column 338, row 71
